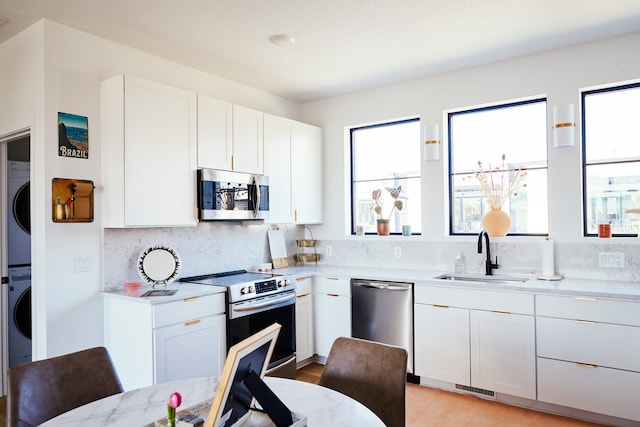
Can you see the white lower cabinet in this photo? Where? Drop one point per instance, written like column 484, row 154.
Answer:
column 305, row 337
column 476, row 338
column 333, row 312
column 155, row 343
column 589, row 354
column 190, row 349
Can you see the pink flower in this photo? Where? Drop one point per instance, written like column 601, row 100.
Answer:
column 175, row 400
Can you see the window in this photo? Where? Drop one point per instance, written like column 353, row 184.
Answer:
column 611, row 159
column 517, row 131
column 386, row 156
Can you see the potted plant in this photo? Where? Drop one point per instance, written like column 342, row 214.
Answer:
column 382, row 222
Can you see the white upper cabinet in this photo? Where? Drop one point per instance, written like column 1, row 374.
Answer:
column 215, row 133
column 277, row 166
column 230, row 137
column 306, row 173
column 148, row 153
column 292, row 161
column 248, row 143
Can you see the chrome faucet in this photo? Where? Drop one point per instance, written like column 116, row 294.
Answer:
column 489, row 266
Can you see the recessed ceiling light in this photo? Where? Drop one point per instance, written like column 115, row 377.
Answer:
column 282, row 39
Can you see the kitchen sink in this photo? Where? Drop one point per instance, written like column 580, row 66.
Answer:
column 485, row 279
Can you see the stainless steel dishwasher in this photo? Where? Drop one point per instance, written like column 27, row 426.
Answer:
column 382, row 311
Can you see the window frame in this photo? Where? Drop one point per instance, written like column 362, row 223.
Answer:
column 352, row 204
column 583, row 138
column 451, row 174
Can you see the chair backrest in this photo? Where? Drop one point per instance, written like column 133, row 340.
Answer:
column 372, row 373
column 44, row 389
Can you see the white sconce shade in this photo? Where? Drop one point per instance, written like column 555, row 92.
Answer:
column 564, row 125
column 431, row 146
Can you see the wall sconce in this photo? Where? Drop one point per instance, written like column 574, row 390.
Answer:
column 564, row 126
column 431, row 146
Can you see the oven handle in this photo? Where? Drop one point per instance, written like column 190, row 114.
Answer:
column 266, row 303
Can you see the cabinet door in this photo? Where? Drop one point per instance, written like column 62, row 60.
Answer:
column 304, row 327
column 215, row 133
column 306, row 173
column 503, row 353
column 277, row 166
column 333, row 320
column 442, row 343
column 159, row 154
column 190, row 349
column 248, row 142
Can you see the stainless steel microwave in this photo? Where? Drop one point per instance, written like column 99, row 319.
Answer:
column 224, row 195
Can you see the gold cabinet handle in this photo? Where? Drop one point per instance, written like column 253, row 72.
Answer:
column 191, row 299
column 192, row 322
column 586, row 298
column 440, row 306
column 586, row 365
column 504, row 313
column 588, row 322
column 333, row 295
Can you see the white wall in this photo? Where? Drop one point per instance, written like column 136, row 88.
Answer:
column 51, row 68
column 558, row 75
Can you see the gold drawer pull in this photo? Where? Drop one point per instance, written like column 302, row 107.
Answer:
column 588, row 322
column 191, row 299
column 440, row 306
column 332, row 278
column 333, row 295
column 301, row 296
column 504, row 313
column 586, row 298
column 586, row 365
column 192, row 322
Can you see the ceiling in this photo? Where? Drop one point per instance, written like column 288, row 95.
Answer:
column 341, row 45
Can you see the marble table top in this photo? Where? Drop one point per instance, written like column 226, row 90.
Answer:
column 321, row 406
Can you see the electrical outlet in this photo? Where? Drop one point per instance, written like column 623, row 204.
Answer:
column 397, row 252
column 611, row 259
column 328, row 250
column 82, row 264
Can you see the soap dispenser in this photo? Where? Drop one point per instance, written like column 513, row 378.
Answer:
column 459, row 264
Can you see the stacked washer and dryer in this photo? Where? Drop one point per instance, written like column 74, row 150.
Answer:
column 19, row 259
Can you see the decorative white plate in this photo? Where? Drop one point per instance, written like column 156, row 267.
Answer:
column 159, row 265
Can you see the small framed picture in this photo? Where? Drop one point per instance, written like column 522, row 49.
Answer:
column 233, row 400
column 73, row 136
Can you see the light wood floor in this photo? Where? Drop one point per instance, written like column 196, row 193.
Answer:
column 433, row 407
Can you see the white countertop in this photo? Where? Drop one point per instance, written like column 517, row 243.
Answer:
column 584, row 287
column 184, row 290
column 594, row 288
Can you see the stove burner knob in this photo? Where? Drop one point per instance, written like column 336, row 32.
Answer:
column 246, row 290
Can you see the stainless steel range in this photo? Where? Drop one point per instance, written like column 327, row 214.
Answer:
column 255, row 301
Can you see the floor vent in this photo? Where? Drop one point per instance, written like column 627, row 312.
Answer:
column 476, row 390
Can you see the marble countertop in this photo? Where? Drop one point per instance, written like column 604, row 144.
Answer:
column 184, row 290
column 575, row 287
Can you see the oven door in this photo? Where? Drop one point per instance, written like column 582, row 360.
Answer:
column 248, row 317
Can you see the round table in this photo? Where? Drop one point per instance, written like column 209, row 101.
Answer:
column 141, row 407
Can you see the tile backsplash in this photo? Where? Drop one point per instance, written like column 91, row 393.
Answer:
column 221, row 246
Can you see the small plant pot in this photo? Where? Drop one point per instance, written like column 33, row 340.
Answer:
column 383, row 227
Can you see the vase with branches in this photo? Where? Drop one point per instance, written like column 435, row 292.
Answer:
column 496, row 184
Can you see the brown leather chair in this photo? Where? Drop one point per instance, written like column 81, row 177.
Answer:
column 372, row 373
column 44, row 389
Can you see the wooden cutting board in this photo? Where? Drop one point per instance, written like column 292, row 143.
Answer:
column 278, row 247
